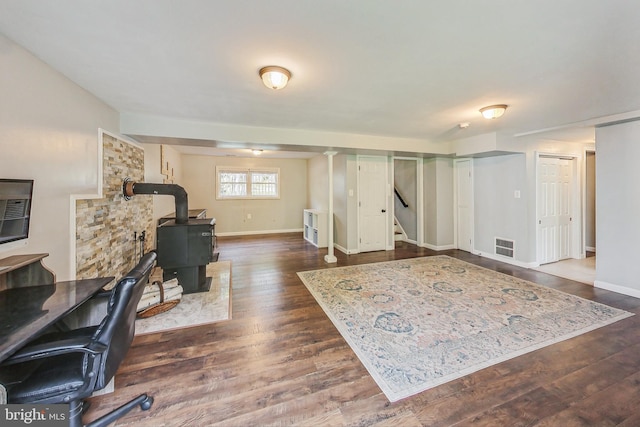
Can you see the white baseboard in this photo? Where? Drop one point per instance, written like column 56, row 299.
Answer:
column 438, row 248
column 591, row 248
column 507, row 260
column 249, row 233
column 345, row 250
column 617, row 288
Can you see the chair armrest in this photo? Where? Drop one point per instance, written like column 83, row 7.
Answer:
column 55, row 348
column 102, row 293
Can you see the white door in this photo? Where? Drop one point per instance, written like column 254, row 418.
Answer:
column 464, row 204
column 554, row 209
column 372, row 203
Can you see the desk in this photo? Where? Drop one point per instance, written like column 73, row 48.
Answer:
column 26, row 312
column 23, row 270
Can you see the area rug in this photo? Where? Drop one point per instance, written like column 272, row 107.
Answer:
column 418, row 323
column 198, row 308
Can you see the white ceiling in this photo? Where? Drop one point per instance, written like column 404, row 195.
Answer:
column 406, row 69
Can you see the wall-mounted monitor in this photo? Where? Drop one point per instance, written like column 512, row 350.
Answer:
column 15, row 209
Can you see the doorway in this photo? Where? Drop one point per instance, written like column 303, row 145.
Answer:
column 556, row 208
column 407, row 204
column 590, row 202
column 580, row 265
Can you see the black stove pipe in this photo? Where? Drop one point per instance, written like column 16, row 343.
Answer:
column 129, row 188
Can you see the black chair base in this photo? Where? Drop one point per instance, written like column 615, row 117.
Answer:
column 144, row 401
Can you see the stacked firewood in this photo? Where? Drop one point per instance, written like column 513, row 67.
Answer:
column 159, row 297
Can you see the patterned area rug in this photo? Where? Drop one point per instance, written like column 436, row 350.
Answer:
column 421, row 322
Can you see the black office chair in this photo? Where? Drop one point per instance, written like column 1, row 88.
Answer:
column 67, row 367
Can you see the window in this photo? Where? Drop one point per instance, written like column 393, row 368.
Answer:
column 242, row 183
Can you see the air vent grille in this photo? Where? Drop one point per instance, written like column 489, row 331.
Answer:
column 505, row 247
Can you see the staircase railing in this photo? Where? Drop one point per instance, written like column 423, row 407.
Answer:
column 404, row 204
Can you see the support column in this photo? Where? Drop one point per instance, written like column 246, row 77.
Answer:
column 330, row 257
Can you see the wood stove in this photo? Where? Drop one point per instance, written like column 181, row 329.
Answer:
column 184, row 246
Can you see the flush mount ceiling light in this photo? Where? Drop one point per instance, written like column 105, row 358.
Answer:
column 493, row 111
column 274, row 77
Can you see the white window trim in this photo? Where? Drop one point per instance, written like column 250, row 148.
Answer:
column 248, row 171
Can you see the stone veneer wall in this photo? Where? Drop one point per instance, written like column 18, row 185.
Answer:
column 105, row 227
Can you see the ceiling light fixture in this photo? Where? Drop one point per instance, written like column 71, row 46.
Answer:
column 274, row 77
column 256, row 152
column 493, row 111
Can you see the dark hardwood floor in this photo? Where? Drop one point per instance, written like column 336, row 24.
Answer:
column 280, row 361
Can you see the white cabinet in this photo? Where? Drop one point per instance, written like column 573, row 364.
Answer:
column 315, row 227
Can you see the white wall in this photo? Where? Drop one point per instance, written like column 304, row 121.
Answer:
column 318, row 183
column 340, row 201
column 438, row 202
column 618, row 208
column 345, row 205
column 162, row 204
column 284, row 214
column 497, row 212
column 49, row 133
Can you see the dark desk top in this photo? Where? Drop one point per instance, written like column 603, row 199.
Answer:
column 27, row 311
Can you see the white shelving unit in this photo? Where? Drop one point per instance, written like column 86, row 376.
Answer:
column 315, row 227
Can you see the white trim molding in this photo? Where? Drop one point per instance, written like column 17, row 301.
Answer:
column 97, row 195
column 507, row 260
column 438, row 248
column 617, row 288
column 250, row 233
column 345, row 250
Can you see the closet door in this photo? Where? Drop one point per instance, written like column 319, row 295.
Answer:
column 554, row 208
column 464, row 204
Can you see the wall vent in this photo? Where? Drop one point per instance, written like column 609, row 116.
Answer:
column 505, row 247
